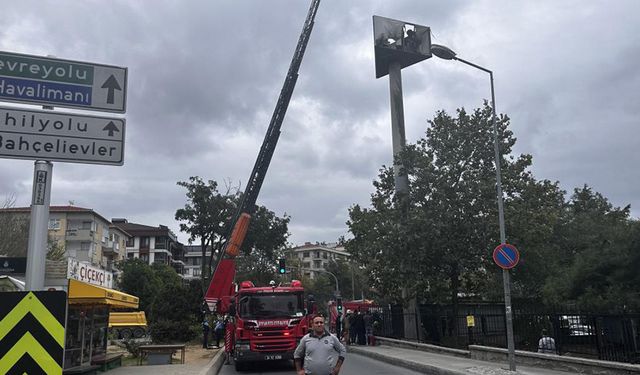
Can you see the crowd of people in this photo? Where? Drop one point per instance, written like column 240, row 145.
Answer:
column 356, row 327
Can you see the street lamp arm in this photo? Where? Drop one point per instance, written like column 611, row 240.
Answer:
column 325, row 271
column 474, row 65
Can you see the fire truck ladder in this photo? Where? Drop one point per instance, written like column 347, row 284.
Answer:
column 246, row 208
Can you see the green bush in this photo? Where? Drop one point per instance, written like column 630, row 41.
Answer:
column 171, row 331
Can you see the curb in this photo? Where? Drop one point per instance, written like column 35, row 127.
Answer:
column 411, row 365
column 213, row 367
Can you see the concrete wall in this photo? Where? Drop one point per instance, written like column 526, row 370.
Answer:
column 550, row 361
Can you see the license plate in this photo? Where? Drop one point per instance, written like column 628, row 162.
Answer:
column 272, row 357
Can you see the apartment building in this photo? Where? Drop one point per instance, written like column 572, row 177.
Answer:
column 193, row 261
column 152, row 244
column 82, row 233
column 315, row 257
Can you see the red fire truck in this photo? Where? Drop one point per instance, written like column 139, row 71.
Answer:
column 264, row 323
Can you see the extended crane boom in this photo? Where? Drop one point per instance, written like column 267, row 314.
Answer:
column 225, row 268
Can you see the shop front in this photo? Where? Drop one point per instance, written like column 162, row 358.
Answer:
column 88, row 321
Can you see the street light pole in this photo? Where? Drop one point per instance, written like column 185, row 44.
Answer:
column 447, row 54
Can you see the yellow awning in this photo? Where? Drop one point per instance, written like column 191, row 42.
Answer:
column 83, row 293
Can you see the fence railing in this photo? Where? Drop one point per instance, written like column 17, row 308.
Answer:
column 612, row 337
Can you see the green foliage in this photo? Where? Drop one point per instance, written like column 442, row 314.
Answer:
column 205, row 214
column 139, row 279
column 263, row 245
column 55, row 249
column 208, row 214
column 171, row 306
column 441, row 249
column 583, row 251
column 599, row 256
column 168, row 331
column 14, row 232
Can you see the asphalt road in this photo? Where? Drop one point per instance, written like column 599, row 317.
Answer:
column 354, row 364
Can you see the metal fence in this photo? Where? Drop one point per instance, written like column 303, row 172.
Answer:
column 612, row 337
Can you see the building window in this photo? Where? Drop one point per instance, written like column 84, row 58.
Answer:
column 87, row 225
column 306, row 265
column 317, row 254
column 161, row 243
column 305, row 254
column 324, row 255
column 160, row 258
column 197, row 271
column 105, row 234
column 144, row 242
column 130, row 255
column 85, row 246
column 145, row 257
column 131, row 242
column 317, row 263
column 54, row 224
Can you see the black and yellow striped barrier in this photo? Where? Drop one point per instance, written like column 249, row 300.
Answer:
column 32, row 332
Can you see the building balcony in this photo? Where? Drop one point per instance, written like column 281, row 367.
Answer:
column 79, row 235
column 108, row 250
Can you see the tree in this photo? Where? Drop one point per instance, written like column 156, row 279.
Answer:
column 206, row 213
column 209, row 213
column 444, row 247
column 263, row 245
column 55, row 248
column 168, row 303
column 598, row 248
column 138, row 279
column 14, row 230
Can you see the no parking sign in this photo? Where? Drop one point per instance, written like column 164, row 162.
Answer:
column 506, row 256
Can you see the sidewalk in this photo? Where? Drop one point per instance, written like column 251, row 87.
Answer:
column 441, row 364
column 210, row 368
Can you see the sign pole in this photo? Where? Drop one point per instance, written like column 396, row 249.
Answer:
column 39, row 225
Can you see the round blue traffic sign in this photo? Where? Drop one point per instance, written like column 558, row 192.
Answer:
column 506, row 256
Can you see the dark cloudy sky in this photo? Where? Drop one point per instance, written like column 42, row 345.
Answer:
column 204, row 77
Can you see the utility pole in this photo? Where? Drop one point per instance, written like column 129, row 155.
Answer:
column 400, row 44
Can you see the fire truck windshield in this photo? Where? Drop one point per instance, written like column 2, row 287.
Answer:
column 256, row 306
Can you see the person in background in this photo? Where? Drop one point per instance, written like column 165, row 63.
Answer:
column 368, row 327
column 319, row 348
column 346, row 326
column 219, row 331
column 205, row 332
column 358, row 326
column 546, row 344
column 353, row 332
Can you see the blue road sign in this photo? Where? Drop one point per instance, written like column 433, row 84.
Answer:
column 62, row 83
column 506, row 256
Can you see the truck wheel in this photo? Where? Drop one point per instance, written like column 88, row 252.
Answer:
column 125, row 333
column 138, row 332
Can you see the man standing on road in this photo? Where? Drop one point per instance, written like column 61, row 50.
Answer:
column 319, row 349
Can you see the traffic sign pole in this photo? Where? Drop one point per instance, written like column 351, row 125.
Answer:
column 38, row 226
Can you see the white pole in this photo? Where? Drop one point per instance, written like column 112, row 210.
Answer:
column 39, row 225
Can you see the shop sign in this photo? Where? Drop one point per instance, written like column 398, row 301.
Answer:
column 86, row 273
